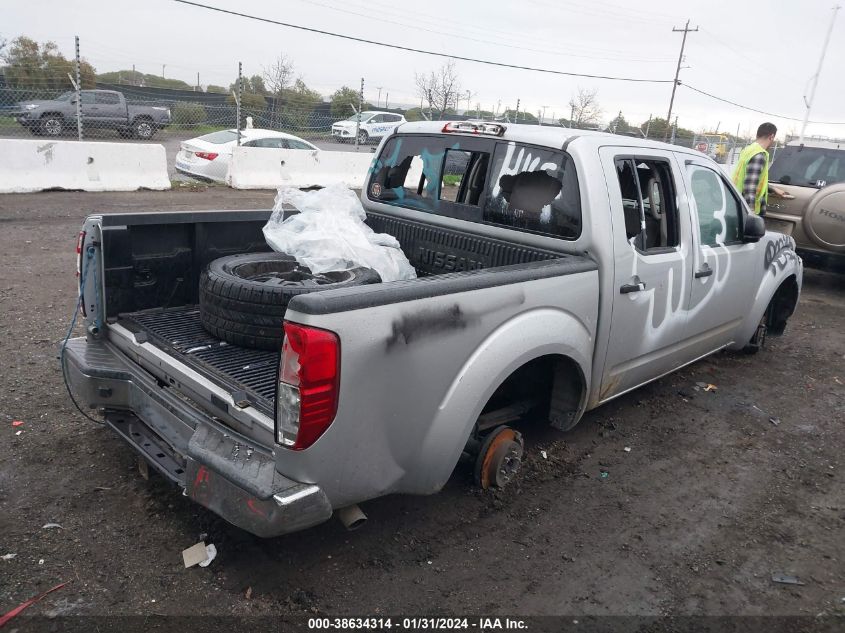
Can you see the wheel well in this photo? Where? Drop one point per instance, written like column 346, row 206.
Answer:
column 783, row 305
column 551, row 386
column 142, row 117
column 44, row 115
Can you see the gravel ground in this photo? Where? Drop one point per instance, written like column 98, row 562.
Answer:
column 712, row 499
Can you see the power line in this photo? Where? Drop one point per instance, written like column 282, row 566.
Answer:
column 466, row 37
column 486, row 31
column 744, row 107
column 419, row 50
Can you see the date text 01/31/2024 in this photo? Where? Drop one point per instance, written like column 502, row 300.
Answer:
column 417, row 624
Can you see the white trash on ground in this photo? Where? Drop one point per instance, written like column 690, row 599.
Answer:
column 329, row 235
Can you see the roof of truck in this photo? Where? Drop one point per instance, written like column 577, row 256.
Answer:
column 551, row 136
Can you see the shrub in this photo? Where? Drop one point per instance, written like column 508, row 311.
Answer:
column 186, row 113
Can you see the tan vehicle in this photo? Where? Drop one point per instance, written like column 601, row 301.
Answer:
column 815, row 174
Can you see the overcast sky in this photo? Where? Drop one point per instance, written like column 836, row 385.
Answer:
column 759, row 54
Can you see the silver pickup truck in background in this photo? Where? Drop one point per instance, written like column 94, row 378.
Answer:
column 558, row 269
column 103, row 109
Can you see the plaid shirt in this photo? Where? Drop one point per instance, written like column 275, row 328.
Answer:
column 752, row 181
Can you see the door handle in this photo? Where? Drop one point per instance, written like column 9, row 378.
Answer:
column 704, row 272
column 629, row 288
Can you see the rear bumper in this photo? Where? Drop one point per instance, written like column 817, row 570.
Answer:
column 218, row 468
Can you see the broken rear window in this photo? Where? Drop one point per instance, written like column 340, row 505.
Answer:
column 534, row 189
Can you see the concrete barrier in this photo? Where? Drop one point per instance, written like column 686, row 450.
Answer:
column 36, row 165
column 265, row 168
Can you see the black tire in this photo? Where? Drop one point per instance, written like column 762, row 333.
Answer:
column 143, row 128
column 363, row 137
column 51, row 125
column 243, row 298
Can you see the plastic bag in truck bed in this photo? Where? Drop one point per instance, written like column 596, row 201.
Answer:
column 328, row 234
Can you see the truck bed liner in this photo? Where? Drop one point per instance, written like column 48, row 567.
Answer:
column 178, row 332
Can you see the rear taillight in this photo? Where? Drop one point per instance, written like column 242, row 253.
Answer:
column 206, row 155
column 80, row 243
column 309, row 378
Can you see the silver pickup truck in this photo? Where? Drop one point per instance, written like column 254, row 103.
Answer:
column 557, row 269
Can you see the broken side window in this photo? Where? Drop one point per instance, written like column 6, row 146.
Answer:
column 648, row 203
column 434, row 174
column 534, row 189
column 464, row 175
column 407, row 173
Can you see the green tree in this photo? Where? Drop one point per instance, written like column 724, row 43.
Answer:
column 251, row 85
column 619, row 125
column 217, row 89
column 135, row 78
column 343, row 100
column 249, row 101
column 301, row 98
column 519, row 117
column 660, row 130
column 42, row 66
column 416, row 114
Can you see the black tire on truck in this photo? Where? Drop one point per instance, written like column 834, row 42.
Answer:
column 243, row 298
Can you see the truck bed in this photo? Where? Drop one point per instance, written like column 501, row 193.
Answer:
column 249, row 374
column 153, row 261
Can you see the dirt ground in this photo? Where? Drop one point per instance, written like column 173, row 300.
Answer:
column 719, row 491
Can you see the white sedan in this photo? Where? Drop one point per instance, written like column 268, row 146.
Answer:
column 208, row 156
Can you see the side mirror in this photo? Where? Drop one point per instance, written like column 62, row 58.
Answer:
column 754, row 228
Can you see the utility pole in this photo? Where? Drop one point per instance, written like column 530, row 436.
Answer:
column 198, row 81
column 386, row 99
column 516, row 112
column 163, row 66
column 809, row 103
column 684, row 30
column 378, row 103
column 542, row 118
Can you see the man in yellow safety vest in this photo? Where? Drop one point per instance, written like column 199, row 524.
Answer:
column 751, row 175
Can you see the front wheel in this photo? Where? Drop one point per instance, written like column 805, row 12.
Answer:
column 143, row 129
column 363, row 137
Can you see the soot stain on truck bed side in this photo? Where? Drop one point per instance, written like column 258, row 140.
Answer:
column 412, row 327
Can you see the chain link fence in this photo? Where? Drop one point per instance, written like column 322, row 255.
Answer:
column 109, row 112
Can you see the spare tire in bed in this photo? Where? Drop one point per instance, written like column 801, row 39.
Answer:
column 243, row 298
